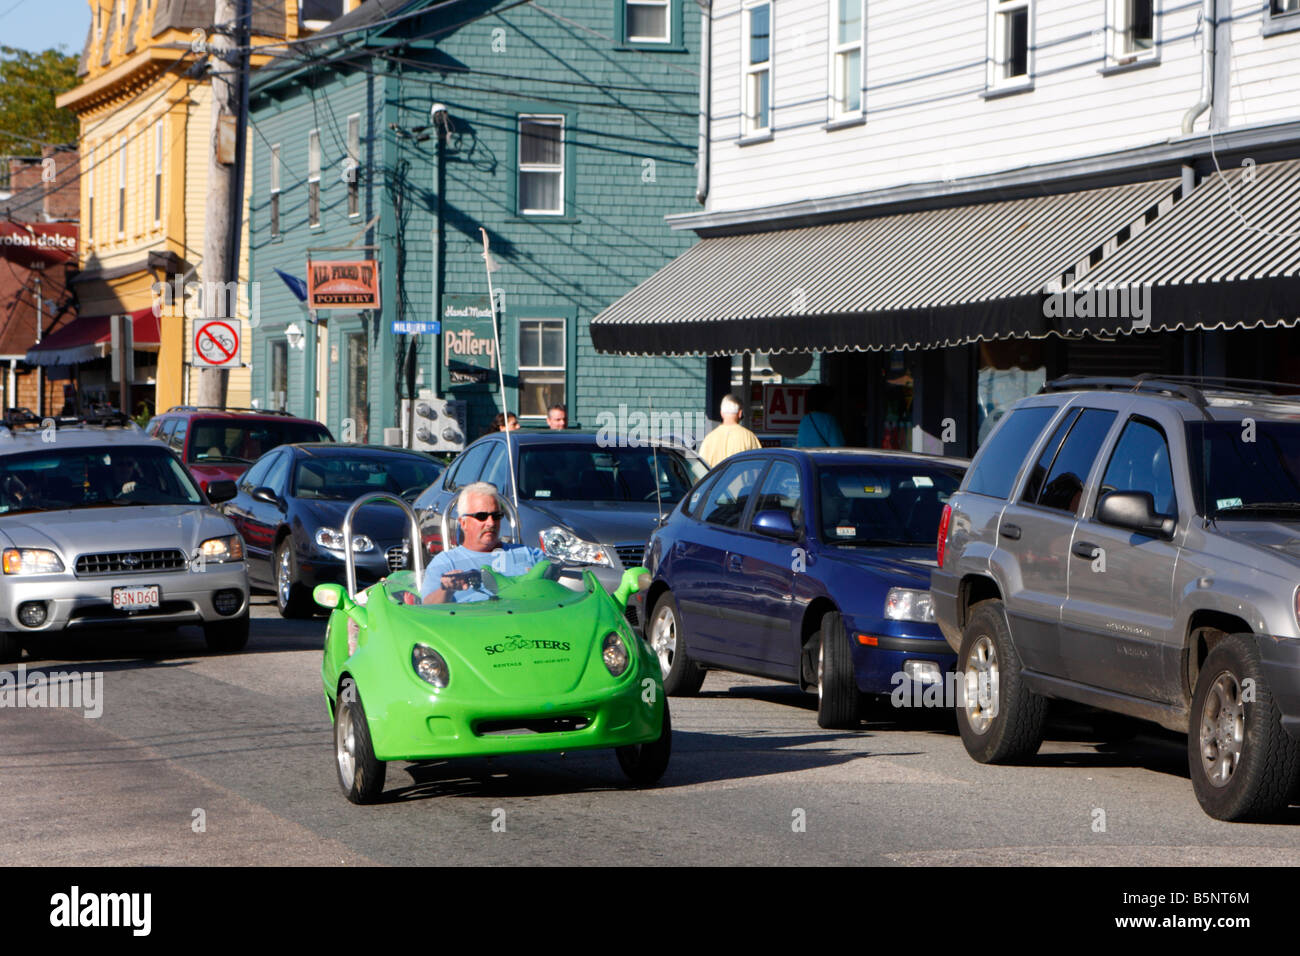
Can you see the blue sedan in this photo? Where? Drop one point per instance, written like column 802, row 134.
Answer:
column 811, row 567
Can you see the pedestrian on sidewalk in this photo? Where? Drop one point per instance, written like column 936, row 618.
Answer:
column 730, row 437
column 819, row 429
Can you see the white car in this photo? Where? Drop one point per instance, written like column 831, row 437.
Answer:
column 103, row 526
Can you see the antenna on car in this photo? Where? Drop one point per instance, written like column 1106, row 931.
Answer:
column 489, row 266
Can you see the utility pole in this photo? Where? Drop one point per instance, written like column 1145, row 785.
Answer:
column 228, row 72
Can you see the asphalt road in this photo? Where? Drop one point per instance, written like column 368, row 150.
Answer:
column 202, row 760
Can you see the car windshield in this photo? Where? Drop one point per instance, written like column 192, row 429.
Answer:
column 895, row 503
column 347, row 477
column 552, row 472
column 1245, row 469
column 61, row 478
column 243, row 441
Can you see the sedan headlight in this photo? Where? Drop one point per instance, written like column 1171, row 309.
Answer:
column 227, row 548
column 31, row 561
column 430, row 665
column 331, row 539
column 905, row 604
column 564, row 544
column 614, row 653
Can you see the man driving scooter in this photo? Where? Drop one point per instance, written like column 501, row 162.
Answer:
column 455, row 574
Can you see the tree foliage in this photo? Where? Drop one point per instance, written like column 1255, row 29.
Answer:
column 29, row 82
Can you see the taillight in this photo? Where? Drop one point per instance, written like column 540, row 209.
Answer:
column 943, row 531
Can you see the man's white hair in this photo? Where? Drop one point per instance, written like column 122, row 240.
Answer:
column 477, row 488
column 730, row 406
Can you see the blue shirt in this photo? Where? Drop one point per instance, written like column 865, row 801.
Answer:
column 512, row 560
column 819, row 430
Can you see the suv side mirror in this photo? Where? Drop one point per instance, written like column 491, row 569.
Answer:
column 774, row 524
column 219, row 491
column 1135, row 510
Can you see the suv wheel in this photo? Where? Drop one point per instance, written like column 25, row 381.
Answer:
column 1243, row 764
column 290, row 596
column 1000, row 719
column 837, row 687
column 682, row 676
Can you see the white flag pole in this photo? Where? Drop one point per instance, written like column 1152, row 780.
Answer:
column 501, row 377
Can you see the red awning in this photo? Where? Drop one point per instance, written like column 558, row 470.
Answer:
column 38, row 244
column 89, row 337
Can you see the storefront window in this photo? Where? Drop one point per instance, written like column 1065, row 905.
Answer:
column 358, row 402
column 1009, row 371
column 279, row 375
column 897, row 418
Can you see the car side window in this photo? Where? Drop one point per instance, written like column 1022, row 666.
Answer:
column 994, row 470
column 691, row 507
column 468, row 465
column 726, row 501
column 277, row 478
column 1038, row 474
column 1140, row 462
column 782, row 491
column 1064, row 485
column 165, row 430
column 496, row 470
column 255, row 477
column 177, row 440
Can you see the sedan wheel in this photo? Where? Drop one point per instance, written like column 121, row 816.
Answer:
column 289, row 594
column 682, row 676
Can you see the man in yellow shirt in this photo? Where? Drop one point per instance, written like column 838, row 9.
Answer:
column 730, row 437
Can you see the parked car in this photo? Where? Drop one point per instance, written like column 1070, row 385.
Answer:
column 219, row 444
column 534, row 668
column 102, row 526
column 290, row 504
column 1131, row 544
column 601, row 501
column 811, row 567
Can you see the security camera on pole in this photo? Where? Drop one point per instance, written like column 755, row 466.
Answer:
column 227, row 50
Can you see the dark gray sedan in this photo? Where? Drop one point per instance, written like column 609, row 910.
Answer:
column 584, row 497
column 290, row 509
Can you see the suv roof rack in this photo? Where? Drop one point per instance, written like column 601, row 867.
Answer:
column 1138, row 383
column 22, row 418
column 227, row 408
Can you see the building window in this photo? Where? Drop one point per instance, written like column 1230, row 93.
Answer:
column 157, row 172
column 1132, row 33
column 275, row 191
column 90, row 197
column 1279, row 7
column 846, row 58
column 121, row 188
column 313, row 178
column 279, row 384
column 757, row 108
column 541, row 165
column 649, row 21
column 1010, row 26
column 121, row 14
column 541, row 366
column 354, row 164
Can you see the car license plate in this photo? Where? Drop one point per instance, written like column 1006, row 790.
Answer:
column 136, row 598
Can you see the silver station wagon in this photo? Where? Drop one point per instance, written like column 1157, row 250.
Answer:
column 103, row 527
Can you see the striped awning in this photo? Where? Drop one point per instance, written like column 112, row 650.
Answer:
column 1227, row 256
column 910, row 280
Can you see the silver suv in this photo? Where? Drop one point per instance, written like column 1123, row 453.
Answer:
column 103, row 526
column 1134, row 545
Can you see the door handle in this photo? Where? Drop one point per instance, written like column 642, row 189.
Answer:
column 734, row 562
column 1085, row 549
column 1011, row 531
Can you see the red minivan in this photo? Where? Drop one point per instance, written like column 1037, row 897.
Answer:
column 220, row 443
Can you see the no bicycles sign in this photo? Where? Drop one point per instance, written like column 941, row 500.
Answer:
column 216, row 344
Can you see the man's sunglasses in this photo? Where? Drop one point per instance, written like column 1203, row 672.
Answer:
column 484, row 515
